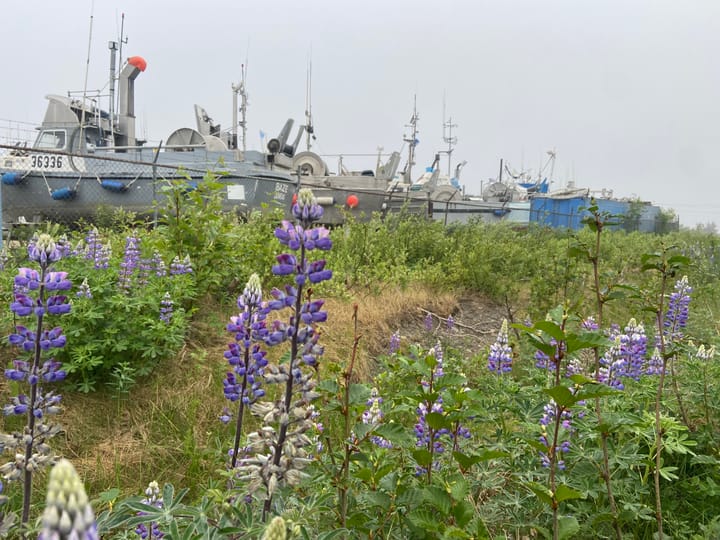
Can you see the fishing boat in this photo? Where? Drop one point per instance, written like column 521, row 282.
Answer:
column 85, row 157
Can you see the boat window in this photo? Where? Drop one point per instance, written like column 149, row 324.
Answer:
column 51, row 140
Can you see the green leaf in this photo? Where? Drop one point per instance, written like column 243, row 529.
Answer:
column 568, row 526
column 578, row 252
column 422, row 457
column 585, row 340
column 595, row 390
column 359, row 393
column 361, row 430
column 328, row 385
column 438, row 497
column 395, row 433
column 437, row 421
column 451, row 379
column 375, row 498
column 467, row 461
column 564, row 492
column 561, row 395
column 551, row 329
column 668, row 473
column 542, row 492
column 458, row 487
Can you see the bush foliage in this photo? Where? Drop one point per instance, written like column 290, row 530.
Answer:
column 434, row 444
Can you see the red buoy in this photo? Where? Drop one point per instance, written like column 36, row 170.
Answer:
column 352, row 201
column 137, row 61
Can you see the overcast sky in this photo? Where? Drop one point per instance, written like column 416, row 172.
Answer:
column 626, row 91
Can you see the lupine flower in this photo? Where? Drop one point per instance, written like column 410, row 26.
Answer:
column 30, row 447
column 634, row 348
column 500, row 357
column 96, row 251
column 676, row 316
column 179, row 267
column 158, row 264
column 152, row 498
column 625, row 357
column 394, row 342
column 547, row 419
column 166, row 308
column 68, row 514
column 705, row 354
column 280, row 446
column 245, row 356
column 655, row 363
column 275, row 530
column 84, row 290
column 428, row 322
column 450, row 323
column 589, row 324
column 543, row 361
column 145, row 268
column 373, row 415
column 130, row 262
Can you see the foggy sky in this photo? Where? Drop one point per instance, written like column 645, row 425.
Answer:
column 625, row 91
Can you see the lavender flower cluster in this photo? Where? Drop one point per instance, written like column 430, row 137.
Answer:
column 435, row 440
column 500, row 357
column 549, row 416
column 152, row 498
column 373, row 415
column 279, row 450
column 37, row 294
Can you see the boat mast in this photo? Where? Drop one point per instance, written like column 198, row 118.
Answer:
column 309, row 129
column 113, row 46
column 87, row 70
column 448, row 138
column 412, row 142
column 240, row 89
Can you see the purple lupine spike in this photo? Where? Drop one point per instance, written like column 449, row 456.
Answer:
column 394, row 342
column 30, row 446
column 130, row 262
column 373, row 415
column 84, row 290
column 676, row 316
column 166, row 308
column 68, row 513
column 500, row 357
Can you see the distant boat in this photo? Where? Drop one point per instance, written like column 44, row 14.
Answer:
column 85, row 157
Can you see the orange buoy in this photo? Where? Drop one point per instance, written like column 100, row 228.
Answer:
column 137, row 61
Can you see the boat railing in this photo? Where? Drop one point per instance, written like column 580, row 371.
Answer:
column 17, row 133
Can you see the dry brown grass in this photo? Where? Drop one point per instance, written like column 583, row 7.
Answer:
column 166, row 428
